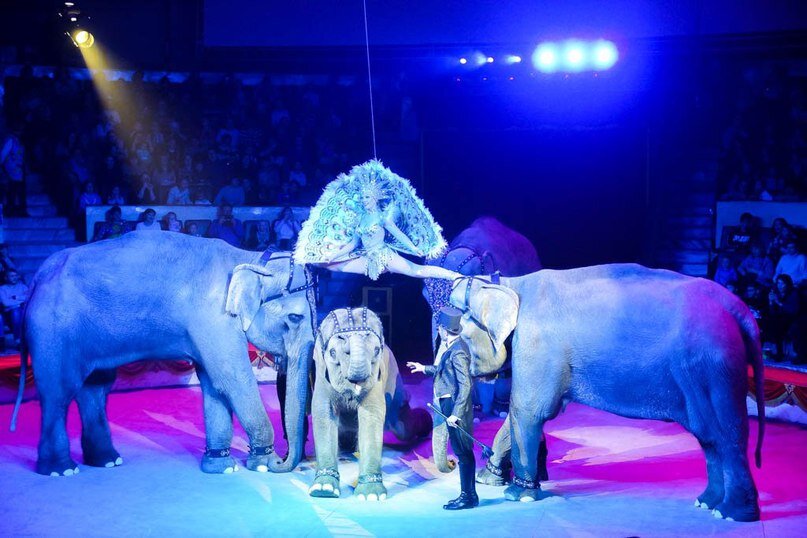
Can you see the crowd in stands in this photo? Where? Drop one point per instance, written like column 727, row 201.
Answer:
column 260, row 235
column 194, row 142
column 768, row 270
column 764, row 144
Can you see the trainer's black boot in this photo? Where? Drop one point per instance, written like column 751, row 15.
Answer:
column 463, row 502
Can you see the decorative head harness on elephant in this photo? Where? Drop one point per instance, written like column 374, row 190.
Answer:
column 492, row 308
column 310, row 288
column 439, row 289
column 351, row 327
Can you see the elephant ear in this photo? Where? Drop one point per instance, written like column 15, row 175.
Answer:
column 493, row 309
column 249, row 285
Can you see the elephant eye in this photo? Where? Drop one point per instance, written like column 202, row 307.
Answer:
column 333, row 353
column 377, row 351
column 296, row 318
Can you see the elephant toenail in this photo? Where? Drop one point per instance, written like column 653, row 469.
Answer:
column 262, row 468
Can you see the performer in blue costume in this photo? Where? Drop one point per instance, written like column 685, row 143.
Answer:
column 364, row 219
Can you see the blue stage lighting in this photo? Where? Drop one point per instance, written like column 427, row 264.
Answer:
column 604, row 54
column 463, row 61
column 512, row 59
column 546, row 57
column 489, row 59
column 478, row 59
column 574, row 55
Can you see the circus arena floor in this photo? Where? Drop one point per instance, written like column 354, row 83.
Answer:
column 609, row 477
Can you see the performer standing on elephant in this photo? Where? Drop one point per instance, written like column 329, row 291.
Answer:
column 452, row 391
column 364, row 219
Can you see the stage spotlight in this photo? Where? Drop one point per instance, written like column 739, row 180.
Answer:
column 463, row 61
column 83, row 39
column 574, row 55
column 604, row 54
column 512, row 59
column 546, row 57
column 489, row 59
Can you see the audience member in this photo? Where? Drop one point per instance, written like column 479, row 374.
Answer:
column 232, row 194
column 192, row 228
column 149, row 221
column 741, row 238
column 171, row 223
column 12, row 172
column 783, row 234
column 146, row 193
column 261, row 236
column 180, row 194
column 756, row 267
column 226, row 227
column 792, row 263
column 113, row 225
column 286, row 227
column 115, row 197
column 89, row 197
column 13, row 295
column 725, row 275
column 782, row 312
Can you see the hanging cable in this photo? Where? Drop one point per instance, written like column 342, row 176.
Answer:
column 369, row 78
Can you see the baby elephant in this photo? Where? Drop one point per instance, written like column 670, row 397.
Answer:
column 352, row 365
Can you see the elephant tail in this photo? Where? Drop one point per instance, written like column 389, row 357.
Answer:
column 753, row 348
column 23, row 373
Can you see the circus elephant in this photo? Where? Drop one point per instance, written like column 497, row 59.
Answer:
column 485, row 247
column 167, row 296
column 629, row 340
column 357, row 391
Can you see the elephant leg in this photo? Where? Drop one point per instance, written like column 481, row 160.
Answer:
column 326, row 444
column 741, row 499
column 234, row 380
column 218, row 429
column 715, row 490
column 497, row 470
column 96, row 439
column 57, row 384
column 371, row 439
column 525, row 432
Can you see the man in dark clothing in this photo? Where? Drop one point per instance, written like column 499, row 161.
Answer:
column 452, row 388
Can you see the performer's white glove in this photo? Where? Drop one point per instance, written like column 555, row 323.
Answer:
column 416, row 367
column 452, row 421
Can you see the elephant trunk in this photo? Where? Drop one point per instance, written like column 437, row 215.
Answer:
column 357, row 371
column 296, row 400
column 439, row 447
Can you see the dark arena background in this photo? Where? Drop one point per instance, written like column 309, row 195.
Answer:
column 667, row 134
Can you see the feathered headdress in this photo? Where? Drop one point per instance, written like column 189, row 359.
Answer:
column 333, row 220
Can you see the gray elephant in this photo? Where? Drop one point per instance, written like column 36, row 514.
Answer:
column 167, row 296
column 485, row 247
column 356, row 374
column 634, row 341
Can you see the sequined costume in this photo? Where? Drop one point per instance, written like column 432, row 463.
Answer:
column 336, row 220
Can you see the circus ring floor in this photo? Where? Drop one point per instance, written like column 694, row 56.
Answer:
column 610, row 477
